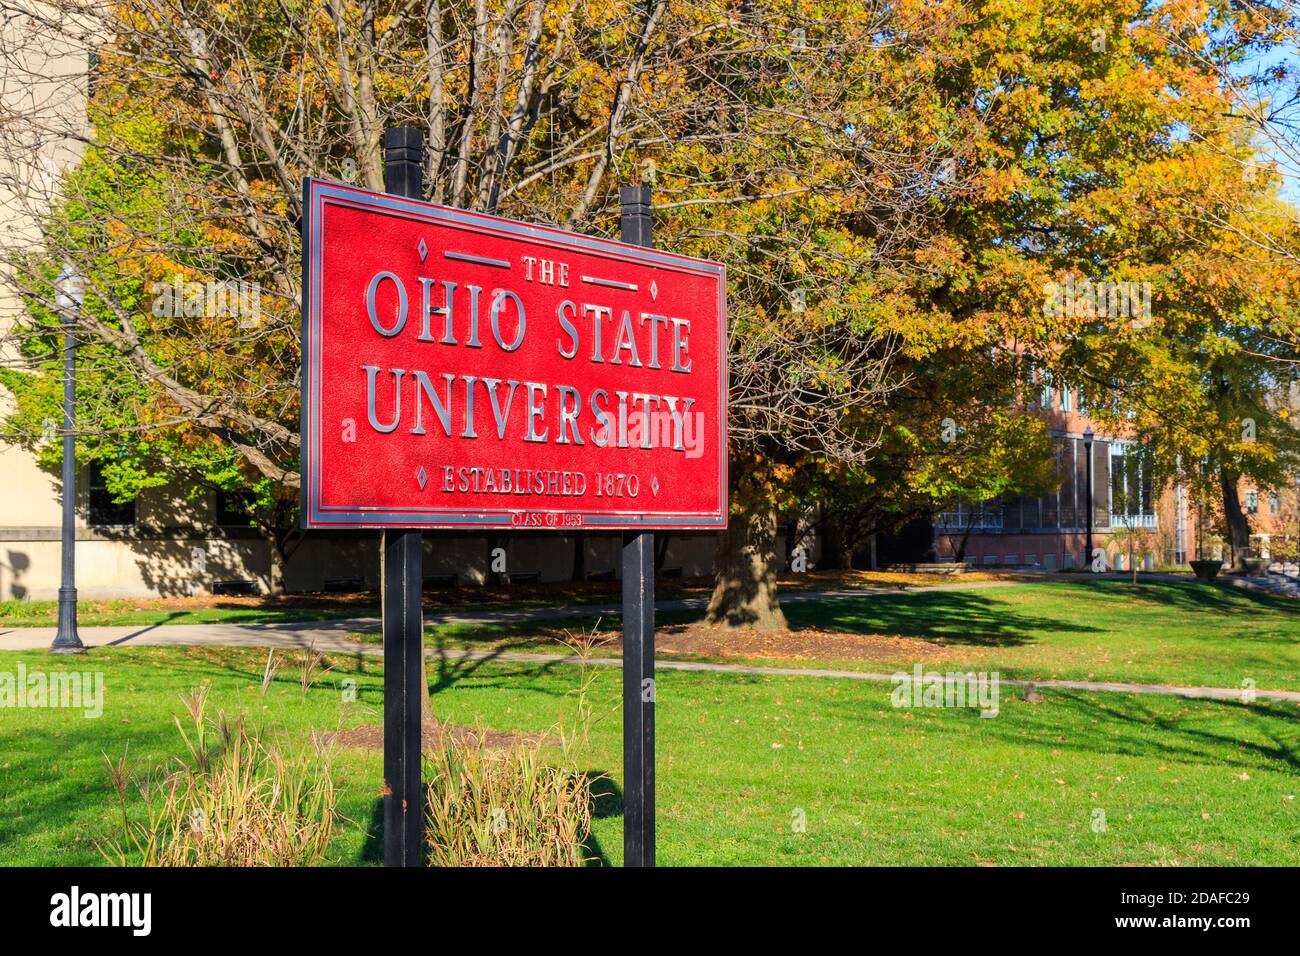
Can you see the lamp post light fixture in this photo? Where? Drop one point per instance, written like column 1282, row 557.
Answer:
column 69, row 294
column 1087, row 451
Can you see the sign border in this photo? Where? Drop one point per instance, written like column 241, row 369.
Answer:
column 315, row 194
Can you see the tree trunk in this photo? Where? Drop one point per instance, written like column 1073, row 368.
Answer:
column 832, row 549
column 745, row 592
column 276, row 582
column 1234, row 518
column 965, row 540
column 661, row 549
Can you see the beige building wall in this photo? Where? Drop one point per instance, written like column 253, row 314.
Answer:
column 42, row 93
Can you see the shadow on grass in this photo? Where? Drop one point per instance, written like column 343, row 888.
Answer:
column 958, row 617
column 1191, row 595
column 446, row 668
column 606, row 801
column 199, row 662
column 372, row 850
column 1150, row 728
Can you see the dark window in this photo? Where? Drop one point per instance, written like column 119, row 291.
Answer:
column 1252, row 502
column 1100, row 482
column 1274, row 503
column 1067, row 469
column 233, row 507
column 1130, row 481
column 104, row 511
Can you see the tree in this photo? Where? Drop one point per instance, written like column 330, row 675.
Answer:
column 892, row 185
column 769, row 136
column 1206, row 378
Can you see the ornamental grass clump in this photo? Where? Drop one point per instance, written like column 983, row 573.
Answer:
column 504, row 807
column 235, row 800
column 513, row 806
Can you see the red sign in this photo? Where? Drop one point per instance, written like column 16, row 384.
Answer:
column 466, row 371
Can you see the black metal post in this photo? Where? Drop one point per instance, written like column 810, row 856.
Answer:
column 403, row 690
column 1200, row 524
column 1087, row 450
column 638, row 633
column 403, row 577
column 1200, row 513
column 66, row 639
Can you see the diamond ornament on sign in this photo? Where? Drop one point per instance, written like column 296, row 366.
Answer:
column 423, row 250
column 422, row 477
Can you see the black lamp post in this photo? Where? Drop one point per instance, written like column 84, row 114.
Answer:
column 69, row 294
column 1087, row 481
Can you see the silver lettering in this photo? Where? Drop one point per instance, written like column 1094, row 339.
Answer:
column 373, row 288
column 440, row 408
column 498, row 300
column 567, row 324
column 371, row 372
column 569, row 416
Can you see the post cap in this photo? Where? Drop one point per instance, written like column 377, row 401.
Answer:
column 634, row 195
column 403, row 143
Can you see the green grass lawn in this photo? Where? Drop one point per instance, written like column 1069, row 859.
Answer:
column 1158, row 631
column 1179, row 632
column 740, row 758
column 131, row 613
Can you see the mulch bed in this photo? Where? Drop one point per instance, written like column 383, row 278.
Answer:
column 806, row 643
column 436, row 737
column 364, row 603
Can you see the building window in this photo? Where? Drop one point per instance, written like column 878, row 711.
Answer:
column 1046, row 398
column 234, row 508
column 104, row 511
column 1252, row 502
column 1274, row 503
column 976, row 517
column 1067, row 394
column 1130, row 486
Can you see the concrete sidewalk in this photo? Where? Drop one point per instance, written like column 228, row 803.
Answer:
column 331, row 637
column 322, row 633
column 333, row 640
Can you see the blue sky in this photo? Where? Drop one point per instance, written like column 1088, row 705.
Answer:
column 1289, row 57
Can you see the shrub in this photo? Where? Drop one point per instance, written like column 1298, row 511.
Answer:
column 236, row 801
